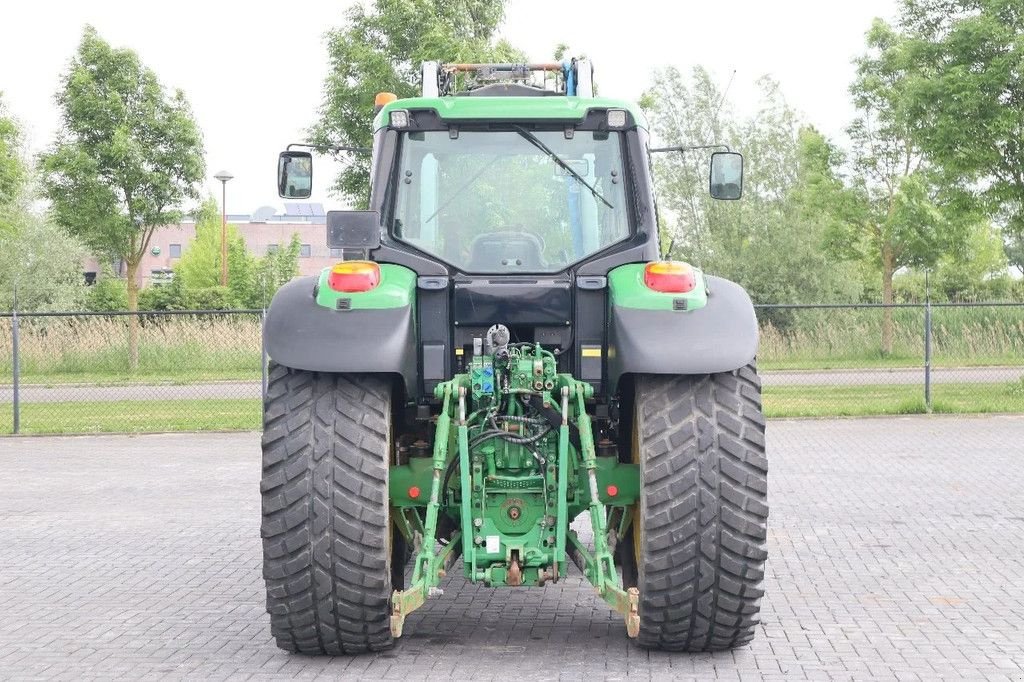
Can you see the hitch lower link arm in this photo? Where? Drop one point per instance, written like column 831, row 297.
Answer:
column 431, row 566
column 599, row 567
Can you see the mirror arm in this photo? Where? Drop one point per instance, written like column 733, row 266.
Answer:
column 330, row 148
column 682, row 148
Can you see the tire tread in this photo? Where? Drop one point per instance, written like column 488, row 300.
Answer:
column 325, row 517
column 703, row 509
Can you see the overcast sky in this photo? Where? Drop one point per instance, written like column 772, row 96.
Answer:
column 253, row 71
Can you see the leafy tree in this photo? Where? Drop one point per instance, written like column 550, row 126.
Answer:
column 687, row 112
column 274, row 270
column 12, row 166
column 979, row 272
column 770, row 241
column 36, row 256
column 42, row 260
column 893, row 213
column 381, row 48
column 200, row 264
column 126, row 157
column 965, row 90
column 252, row 281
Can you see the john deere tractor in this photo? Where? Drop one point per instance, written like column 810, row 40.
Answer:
column 500, row 351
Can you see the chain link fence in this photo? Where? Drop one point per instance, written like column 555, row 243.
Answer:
column 869, row 359
column 204, row 370
column 131, row 372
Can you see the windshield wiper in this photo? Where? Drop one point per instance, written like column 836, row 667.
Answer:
column 536, row 142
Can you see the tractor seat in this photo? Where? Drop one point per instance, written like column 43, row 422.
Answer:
column 500, row 251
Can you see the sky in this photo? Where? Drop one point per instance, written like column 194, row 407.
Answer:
column 253, row 71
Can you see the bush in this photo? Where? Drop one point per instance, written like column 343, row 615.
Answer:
column 108, row 294
column 170, row 296
column 1016, row 292
column 209, row 298
column 909, row 287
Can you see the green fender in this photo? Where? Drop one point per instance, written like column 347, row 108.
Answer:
column 712, row 329
column 325, row 331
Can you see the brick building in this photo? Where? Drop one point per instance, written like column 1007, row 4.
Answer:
column 263, row 230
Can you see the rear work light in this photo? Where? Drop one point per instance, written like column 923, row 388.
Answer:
column 616, row 118
column 399, row 118
column 353, row 276
column 670, row 277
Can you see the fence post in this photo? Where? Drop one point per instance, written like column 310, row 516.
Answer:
column 927, row 346
column 15, row 364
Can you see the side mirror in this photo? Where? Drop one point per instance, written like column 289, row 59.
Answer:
column 295, row 175
column 726, row 175
column 353, row 229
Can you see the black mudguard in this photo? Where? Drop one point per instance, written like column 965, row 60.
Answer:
column 720, row 337
column 300, row 334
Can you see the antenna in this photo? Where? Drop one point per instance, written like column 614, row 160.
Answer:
column 724, row 93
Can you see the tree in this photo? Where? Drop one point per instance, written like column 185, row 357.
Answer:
column 12, row 166
column 252, row 281
column 977, row 272
column 895, row 213
column 966, row 91
column 36, row 256
column 380, row 49
column 770, row 241
column 199, row 267
column 274, row 270
column 127, row 155
column 42, row 260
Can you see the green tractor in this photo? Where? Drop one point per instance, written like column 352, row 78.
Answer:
column 499, row 351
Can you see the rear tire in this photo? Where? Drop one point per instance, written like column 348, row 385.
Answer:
column 326, row 529
column 697, row 548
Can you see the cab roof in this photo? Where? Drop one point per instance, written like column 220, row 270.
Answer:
column 548, row 108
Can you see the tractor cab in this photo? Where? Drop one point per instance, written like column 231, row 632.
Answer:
column 511, row 191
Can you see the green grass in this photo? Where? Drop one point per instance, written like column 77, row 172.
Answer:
column 859, row 401
column 180, row 350
column 135, row 416
column 851, row 338
column 242, row 414
column 879, row 361
column 94, row 350
column 175, row 377
column 190, row 375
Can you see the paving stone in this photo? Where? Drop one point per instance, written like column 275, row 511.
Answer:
column 895, row 553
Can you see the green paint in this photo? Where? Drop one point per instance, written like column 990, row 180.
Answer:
column 396, row 289
column 512, row 501
column 510, row 108
column 627, row 288
column 610, row 471
column 428, row 565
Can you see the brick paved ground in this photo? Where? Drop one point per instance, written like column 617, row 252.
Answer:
column 897, row 551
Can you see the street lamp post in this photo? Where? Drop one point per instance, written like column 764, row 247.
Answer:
column 223, row 176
